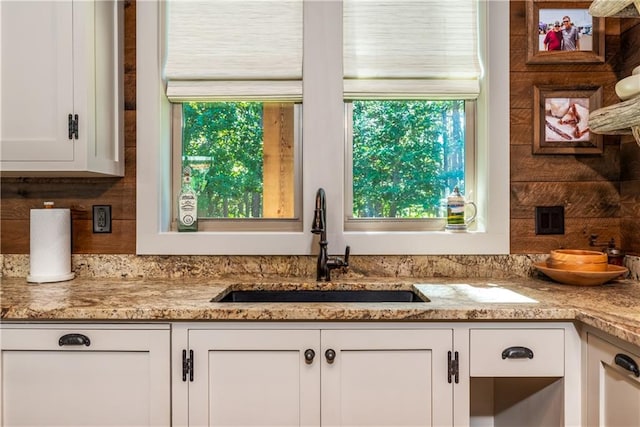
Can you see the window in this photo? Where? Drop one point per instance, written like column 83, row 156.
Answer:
column 323, row 150
column 244, row 158
column 233, row 92
column 405, row 157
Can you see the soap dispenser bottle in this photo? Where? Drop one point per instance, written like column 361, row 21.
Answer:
column 187, row 203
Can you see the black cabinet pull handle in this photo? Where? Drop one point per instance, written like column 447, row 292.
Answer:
column 330, row 355
column 627, row 363
column 74, row 339
column 309, row 354
column 517, row 353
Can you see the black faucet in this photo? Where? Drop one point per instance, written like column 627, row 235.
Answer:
column 319, row 226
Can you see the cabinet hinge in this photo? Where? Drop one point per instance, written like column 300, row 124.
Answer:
column 187, row 365
column 453, row 368
column 73, row 126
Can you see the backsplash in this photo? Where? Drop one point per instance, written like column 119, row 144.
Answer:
column 217, row 267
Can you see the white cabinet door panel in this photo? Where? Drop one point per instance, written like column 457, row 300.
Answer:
column 386, row 378
column 75, row 388
column 254, row 378
column 37, row 80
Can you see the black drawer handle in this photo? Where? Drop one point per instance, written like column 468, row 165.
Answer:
column 627, row 363
column 517, row 353
column 74, row 339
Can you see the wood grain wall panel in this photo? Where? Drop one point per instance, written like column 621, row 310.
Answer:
column 630, row 48
column 522, row 85
column 630, row 199
column 580, row 199
column 130, row 128
column 16, row 237
column 522, row 134
column 629, row 160
column 587, row 186
column 520, row 117
column 122, row 238
column 518, row 18
column 79, row 196
column 630, row 240
column 576, row 236
column 526, row 166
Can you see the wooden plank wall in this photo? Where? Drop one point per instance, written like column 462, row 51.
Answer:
column 19, row 195
column 588, row 186
column 630, row 151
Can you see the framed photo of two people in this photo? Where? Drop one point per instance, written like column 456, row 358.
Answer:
column 563, row 32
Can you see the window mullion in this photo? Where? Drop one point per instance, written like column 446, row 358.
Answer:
column 323, row 118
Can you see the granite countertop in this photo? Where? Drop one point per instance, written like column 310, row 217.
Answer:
column 613, row 308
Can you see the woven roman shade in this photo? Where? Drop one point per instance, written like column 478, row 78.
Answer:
column 221, row 50
column 411, row 49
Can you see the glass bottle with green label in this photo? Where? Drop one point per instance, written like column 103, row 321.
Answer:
column 187, row 204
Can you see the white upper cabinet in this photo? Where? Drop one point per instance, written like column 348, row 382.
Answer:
column 62, row 91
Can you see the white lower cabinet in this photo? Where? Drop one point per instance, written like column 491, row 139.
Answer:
column 312, row 377
column 613, row 383
column 329, row 374
column 524, row 376
column 84, row 375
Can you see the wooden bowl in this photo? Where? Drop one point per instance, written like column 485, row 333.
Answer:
column 582, row 278
column 577, row 260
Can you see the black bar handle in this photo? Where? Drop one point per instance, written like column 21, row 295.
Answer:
column 517, row 353
column 627, row 363
column 74, row 339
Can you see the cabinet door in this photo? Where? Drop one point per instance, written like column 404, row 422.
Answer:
column 613, row 392
column 37, row 80
column 254, row 378
column 386, row 378
column 116, row 378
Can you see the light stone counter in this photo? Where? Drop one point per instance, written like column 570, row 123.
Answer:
column 613, row 308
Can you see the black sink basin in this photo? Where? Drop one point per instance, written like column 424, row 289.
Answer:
column 322, row 296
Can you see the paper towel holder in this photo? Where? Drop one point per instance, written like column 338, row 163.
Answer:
column 50, row 245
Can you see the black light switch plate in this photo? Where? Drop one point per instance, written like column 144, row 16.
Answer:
column 102, row 218
column 549, row 219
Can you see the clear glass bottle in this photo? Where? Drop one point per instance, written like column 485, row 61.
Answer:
column 187, row 204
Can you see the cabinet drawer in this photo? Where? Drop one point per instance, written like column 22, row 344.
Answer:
column 603, row 354
column 489, row 350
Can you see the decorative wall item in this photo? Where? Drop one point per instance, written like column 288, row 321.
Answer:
column 622, row 118
column 561, row 120
column 563, row 32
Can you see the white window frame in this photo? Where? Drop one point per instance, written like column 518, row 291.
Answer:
column 407, row 224
column 240, row 224
column 323, row 151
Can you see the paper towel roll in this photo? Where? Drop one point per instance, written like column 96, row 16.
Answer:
column 50, row 246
